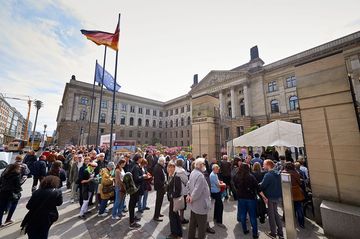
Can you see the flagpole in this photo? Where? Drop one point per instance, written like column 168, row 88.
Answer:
column 92, row 106
column 101, row 94
column 113, row 100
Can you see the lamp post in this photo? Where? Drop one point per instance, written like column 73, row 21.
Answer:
column 38, row 105
column 45, row 126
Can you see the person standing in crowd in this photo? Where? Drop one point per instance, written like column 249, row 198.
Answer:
column 120, row 191
column 144, row 190
column 57, row 171
column 39, row 171
column 198, row 200
column 216, row 195
column 271, row 187
column 187, row 164
column 67, row 166
column 24, row 170
column 87, row 177
column 234, row 170
column 303, row 168
column 10, row 191
column 181, row 173
column 259, row 175
column 42, row 208
column 247, row 190
column 73, row 176
column 29, row 160
column 81, row 175
column 159, row 186
column 106, row 188
column 256, row 159
column 174, row 190
column 138, row 178
column 297, row 193
column 225, row 168
column 150, row 159
column 207, row 165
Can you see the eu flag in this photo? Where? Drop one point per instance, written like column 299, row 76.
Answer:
column 108, row 79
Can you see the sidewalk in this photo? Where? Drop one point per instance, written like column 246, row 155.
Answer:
column 69, row 226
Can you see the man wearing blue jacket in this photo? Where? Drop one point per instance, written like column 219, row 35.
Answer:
column 271, row 187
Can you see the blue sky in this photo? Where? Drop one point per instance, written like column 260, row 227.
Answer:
column 162, row 43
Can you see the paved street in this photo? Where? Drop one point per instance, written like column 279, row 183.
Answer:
column 69, row 226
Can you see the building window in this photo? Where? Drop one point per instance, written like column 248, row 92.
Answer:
column 161, row 114
column 166, row 124
column 188, row 143
column 229, row 109
column 188, row 133
column 182, row 109
column 293, row 103
column 242, row 107
column 188, row 120
column 83, row 114
column 175, row 143
column 122, row 133
column 272, row 86
column 132, row 109
column 227, row 133
column 130, row 133
column 154, row 112
column 84, row 100
column 290, row 82
column 160, row 124
column 181, row 134
column 165, row 135
column 167, row 113
column 176, row 111
column 123, row 107
column 240, row 130
column 176, row 134
column 170, row 135
column 154, row 123
column 182, row 121
column 147, row 123
column 160, row 135
column 188, row 108
column 131, row 121
column 139, row 122
column 139, row 134
column 146, row 134
column 147, row 111
column 274, row 106
column 154, row 134
column 104, row 104
column 171, row 123
column 181, row 143
column 102, row 130
column 176, row 122
column 122, row 120
column 102, row 118
column 171, row 112
column 140, row 110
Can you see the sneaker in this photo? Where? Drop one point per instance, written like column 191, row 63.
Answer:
column 135, row 225
column 102, row 215
column 269, row 234
column 210, row 230
column 82, row 217
column 146, row 208
column 140, row 211
column 121, row 215
column 221, row 225
column 9, row 222
column 116, row 218
column 255, row 236
column 246, row 232
column 106, row 210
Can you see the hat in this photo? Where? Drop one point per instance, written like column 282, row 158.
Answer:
column 93, row 164
column 100, row 155
column 111, row 165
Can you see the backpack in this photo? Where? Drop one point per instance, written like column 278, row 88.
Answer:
column 129, row 184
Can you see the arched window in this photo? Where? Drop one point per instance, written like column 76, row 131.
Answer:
column 83, row 114
column 182, row 121
column 171, row 123
column 131, row 121
column 188, row 120
column 139, row 122
column 242, row 107
column 147, row 123
column 274, row 106
column 229, row 109
column 176, row 122
column 102, row 118
column 293, row 102
column 154, row 123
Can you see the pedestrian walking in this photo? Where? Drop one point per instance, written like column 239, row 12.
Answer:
column 159, row 186
column 216, row 195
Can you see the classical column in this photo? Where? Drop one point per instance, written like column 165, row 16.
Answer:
column 222, row 104
column 246, row 99
column 233, row 105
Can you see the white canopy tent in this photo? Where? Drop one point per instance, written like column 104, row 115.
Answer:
column 278, row 133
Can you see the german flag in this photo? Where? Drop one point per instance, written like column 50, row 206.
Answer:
column 104, row 38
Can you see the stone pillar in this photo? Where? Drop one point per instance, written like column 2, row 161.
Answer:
column 233, row 105
column 246, row 100
column 222, row 105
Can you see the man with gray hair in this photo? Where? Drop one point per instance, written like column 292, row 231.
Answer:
column 198, row 200
column 159, row 186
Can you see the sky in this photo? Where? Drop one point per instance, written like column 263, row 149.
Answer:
column 163, row 43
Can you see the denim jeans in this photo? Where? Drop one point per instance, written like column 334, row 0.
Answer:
column 103, row 204
column 299, row 213
column 119, row 202
column 7, row 205
column 238, row 215
column 248, row 206
column 143, row 201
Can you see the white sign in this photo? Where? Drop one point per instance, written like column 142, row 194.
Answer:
column 105, row 139
column 286, row 178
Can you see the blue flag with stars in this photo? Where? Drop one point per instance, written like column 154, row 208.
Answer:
column 108, row 79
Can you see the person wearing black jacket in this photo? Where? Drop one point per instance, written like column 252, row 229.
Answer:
column 10, row 188
column 173, row 190
column 42, row 208
column 138, row 178
column 29, row 160
column 159, row 186
column 39, row 171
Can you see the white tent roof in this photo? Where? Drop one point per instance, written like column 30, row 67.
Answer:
column 277, row 133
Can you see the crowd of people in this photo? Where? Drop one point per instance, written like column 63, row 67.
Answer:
column 189, row 183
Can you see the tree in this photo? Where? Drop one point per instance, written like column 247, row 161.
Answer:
column 38, row 105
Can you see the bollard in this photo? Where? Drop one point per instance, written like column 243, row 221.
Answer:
column 288, row 206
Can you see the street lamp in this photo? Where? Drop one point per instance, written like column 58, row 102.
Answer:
column 38, row 104
column 45, row 126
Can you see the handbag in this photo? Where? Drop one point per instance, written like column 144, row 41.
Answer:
column 179, row 202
